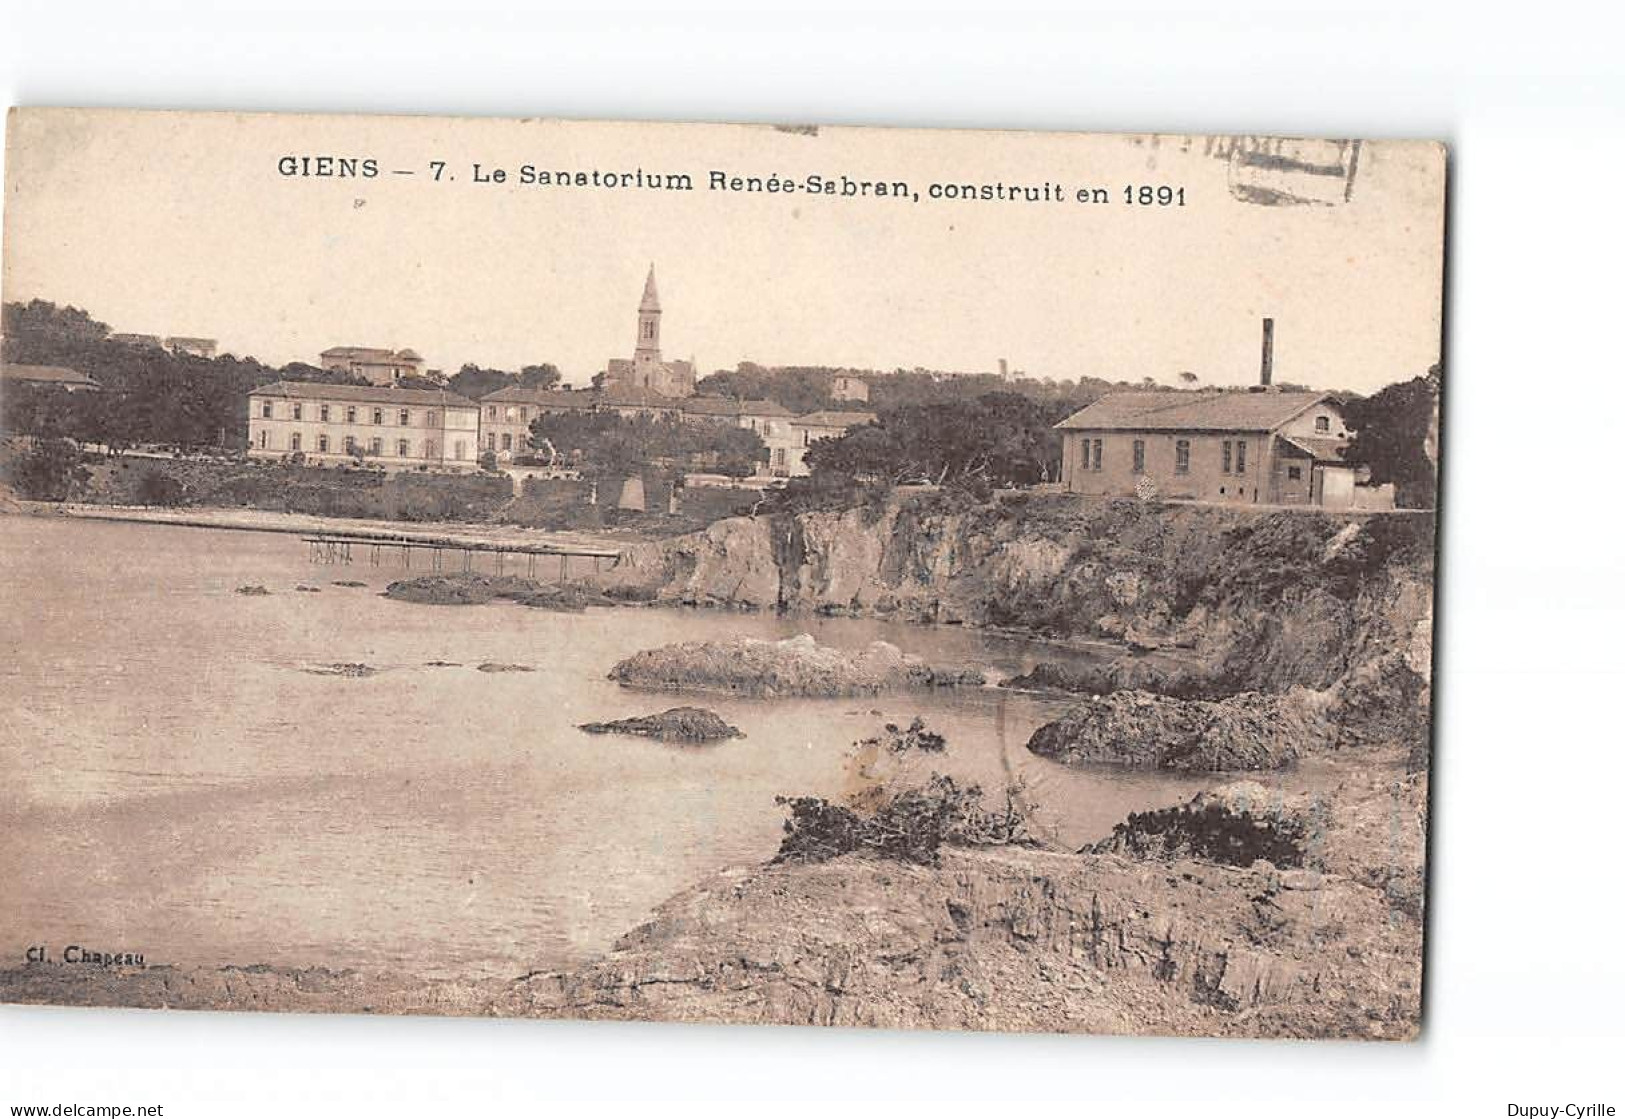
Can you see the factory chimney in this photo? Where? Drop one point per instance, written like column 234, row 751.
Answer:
column 1267, row 361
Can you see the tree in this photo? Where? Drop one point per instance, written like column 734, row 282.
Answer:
column 474, row 382
column 1000, row 438
column 1188, row 377
column 543, row 376
column 1392, row 430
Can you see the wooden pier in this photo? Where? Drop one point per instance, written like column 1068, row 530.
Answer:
column 434, row 552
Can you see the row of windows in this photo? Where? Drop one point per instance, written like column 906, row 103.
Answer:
column 1233, row 456
column 326, row 413
column 510, row 413
column 325, row 445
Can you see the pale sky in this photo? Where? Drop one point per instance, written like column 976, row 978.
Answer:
column 181, row 224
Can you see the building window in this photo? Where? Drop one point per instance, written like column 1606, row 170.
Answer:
column 461, row 451
column 403, row 449
column 349, row 444
column 491, row 409
column 1098, row 452
column 491, row 441
column 349, row 415
column 507, row 441
column 298, row 411
column 321, row 443
column 1295, row 473
column 428, row 449
column 323, row 412
column 265, row 409
column 429, row 417
column 1225, row 469
column 1241, row 456
column 377, row 446
column 1322, row 424
column 524, row 415
column 1139, row 456
column 406, row 417
column 295, row 442
column 377, row 416
column 1182, row 456
column 262, row 436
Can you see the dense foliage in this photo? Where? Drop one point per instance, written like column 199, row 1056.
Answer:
column 48, row 470
column 473, row 381
column 148, row 395
column 611, row 445
column 808, row 388
column 1002, row 438
column 1394, row 432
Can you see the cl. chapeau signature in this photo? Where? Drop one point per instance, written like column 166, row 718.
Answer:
column 77, row 954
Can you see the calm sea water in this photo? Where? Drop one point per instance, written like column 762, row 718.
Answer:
column 174, row 781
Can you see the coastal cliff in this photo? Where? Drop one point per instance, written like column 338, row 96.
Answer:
column 1210, row 601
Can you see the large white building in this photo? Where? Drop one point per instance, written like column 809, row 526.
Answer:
column 399, row 429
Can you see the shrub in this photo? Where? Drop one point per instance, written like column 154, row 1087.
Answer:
column 50, row 470
column 910, row 827
column 889, row 814
column 158, row 488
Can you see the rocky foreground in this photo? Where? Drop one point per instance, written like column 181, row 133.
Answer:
column 1139, row 934
column 1152, row 930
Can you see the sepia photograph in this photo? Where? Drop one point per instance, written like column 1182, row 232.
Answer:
column 906, row 578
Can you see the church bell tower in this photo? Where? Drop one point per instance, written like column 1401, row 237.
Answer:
column 646, row 356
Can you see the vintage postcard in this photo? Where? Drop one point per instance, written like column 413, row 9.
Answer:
column 718, row 573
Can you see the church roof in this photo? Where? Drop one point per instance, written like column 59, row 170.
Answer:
column 651, row 294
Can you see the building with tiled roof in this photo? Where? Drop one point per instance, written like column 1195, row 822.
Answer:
column 375, row 364
column 398, row 429
column 196, row 347
column 1262, row 447
column 48, row 376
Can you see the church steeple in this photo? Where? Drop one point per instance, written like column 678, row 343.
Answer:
column 646, row 357
column 651, row 294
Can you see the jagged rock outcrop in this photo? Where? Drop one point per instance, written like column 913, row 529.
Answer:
column 796, row 666
column 1250, row 731
column 1010, row 939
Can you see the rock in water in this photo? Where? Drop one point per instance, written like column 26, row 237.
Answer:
column 796, row 666
column 675, row 724
column 352, row 669
column 1246, row 731
column 470, row 588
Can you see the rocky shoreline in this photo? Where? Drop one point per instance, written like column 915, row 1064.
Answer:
column 1144, row 932
column 1251, row 641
